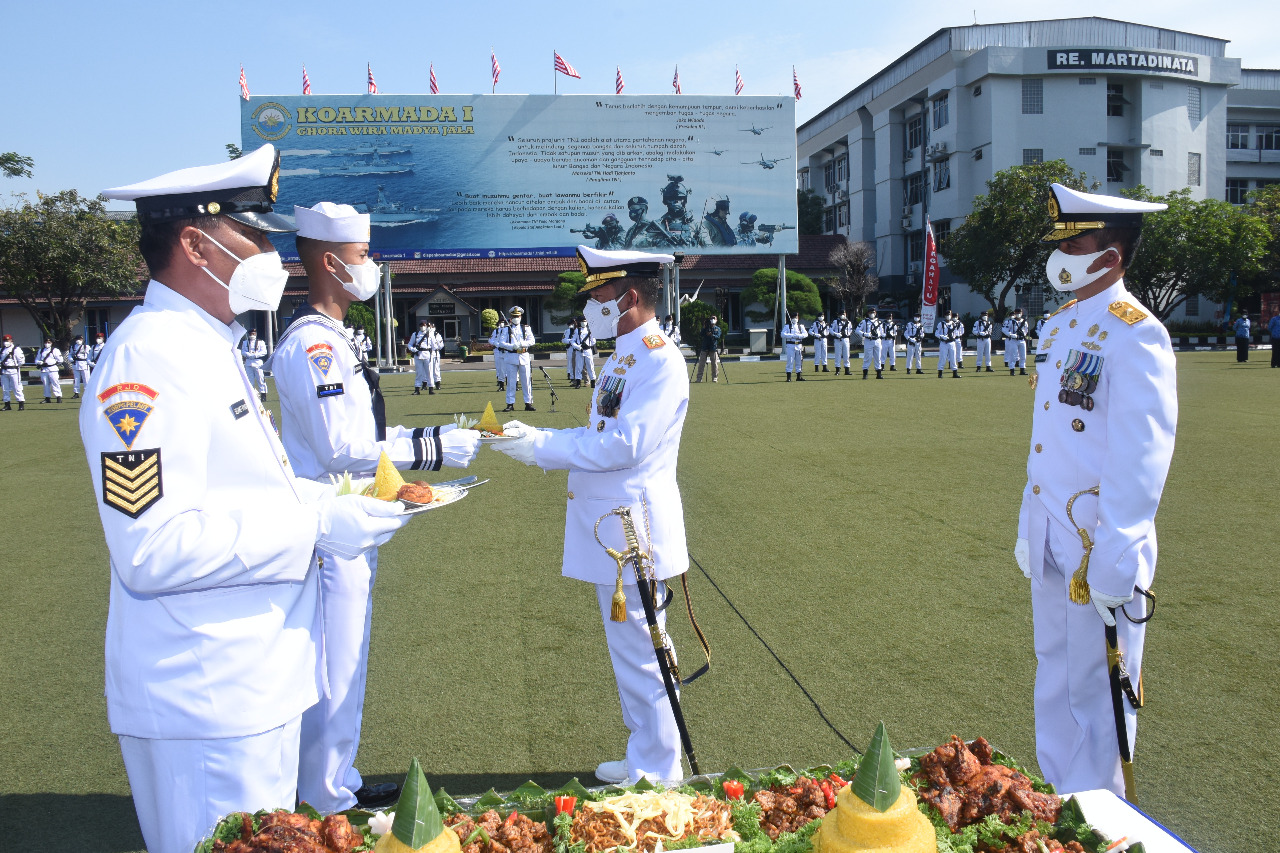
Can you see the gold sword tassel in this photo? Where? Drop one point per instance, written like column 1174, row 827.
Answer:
column 618, row 607
column 1078, row 592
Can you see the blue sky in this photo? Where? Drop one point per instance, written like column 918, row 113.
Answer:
column 102, row 94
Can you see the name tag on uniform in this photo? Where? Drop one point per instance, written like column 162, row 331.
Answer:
column 239, row 409
column 332, row 390
column 1042, row 357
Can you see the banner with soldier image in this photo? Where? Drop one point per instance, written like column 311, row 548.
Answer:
column 472, row 176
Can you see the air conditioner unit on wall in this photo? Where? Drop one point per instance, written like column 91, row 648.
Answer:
column 832, row 189
column 915, row 267
column 910, row 152
column 842, row 194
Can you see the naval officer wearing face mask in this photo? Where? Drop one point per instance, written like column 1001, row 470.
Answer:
column 1102, row 434
column 625, row 456
column 213, row 638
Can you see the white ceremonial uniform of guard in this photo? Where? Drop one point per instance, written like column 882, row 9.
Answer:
column 499, row 355
column 571, row 353
column 586, row 353
column 421, row 360
column 326, row 408
column 671, row 330
column 819, row 330
column 889, row 343
column 49, row 360
column 946, row 350
column 957, row 342
column 1015, row 342
column 95, row 352
column 364, row 344
column 435, row 348
column 982, row 333
column 80, row 366
column 793, row 335
column 869, row 331
column 626, row 457
column 213, row 617
column 842, row 331
column 11, row 361
column 516, row 342
column 1122, row 446
column 254, row 350
column 915, row 344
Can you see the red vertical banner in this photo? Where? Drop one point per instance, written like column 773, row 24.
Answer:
column 929, row 294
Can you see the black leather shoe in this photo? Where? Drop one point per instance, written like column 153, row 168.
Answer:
column 528, row 407
column 417, row 391
column 431, row 391
column 377, row 796
column 510, row 407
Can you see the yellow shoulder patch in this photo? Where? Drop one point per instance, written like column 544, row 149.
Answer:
column 1127, row 312
column 654, row 341
column 1063, row 308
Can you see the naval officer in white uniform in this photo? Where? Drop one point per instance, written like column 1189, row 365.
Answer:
column 625, row 457
column 334, row 422
column 212, row 645
column 1105, row 413
column 515, row 340
column 254, row 352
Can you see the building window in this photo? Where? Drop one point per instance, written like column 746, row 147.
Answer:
column 804, row 179
column 842, row 168
column 1157, row 152
column 1193, row 170
column 829, row 220
column 913, row 189
column 1032, row 96
column 1268, row 137
column 1237, row 190
column 1238, row 137
column 1193, row 104
column 941, row 231
column 1115, row 99
column 829, row 175
column 977, row 90
column 1157, row 85
column 1116, row 167
column 1088, row 81
column 915, row 132
column 942, row 175
column 842, row 216
column 1088, row 152
column 95, row 322
column 1191, row 307
column 941, row 111
column 915, row 247
column 1031, row 156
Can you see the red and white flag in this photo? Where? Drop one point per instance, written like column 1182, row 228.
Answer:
column 373, row 85
column 565, row 68
column 496, row 68
column 244, row 85
column 618, row 85
column 306, row 82
column 929, row 294
column 435, row 87
column 795, row 82
column 737, row 81
column 675, row 81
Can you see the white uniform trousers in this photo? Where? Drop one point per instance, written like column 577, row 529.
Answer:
column 586, row 367
column 1018, row 356
column 1007, row 349
column 257, row 378
column 871, row 354
column 574, row 366
column 81, row 376
column 913, row 355
column 522, row 371
column 653, row 750
column 842, row 352
column 888, row 353
column 182, row 788
column 1076, row 742
column 12, row 387
column 52, row 387
column 820, row 351
column 422, row 372
column 500, row 365
column 433, row 368
column 946, row 355
column 327, row 777
column 795, row 357
column 958, row 347
column 984, row 352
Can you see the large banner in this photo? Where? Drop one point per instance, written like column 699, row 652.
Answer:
column 475, row 176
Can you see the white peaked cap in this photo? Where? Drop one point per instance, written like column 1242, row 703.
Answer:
column 251, row 170
column 333, row 223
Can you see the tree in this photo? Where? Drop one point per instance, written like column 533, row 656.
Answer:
column 857, row 279
column 998, row 247
column 1265, row 205
column 692, row 316
column 488, row 321
column 57, row 254
column 566, row 299
column 802, row 294
column 809, row 209
column 1192, row 249
column 14, row 165
column 360, row 314
column 233, row 151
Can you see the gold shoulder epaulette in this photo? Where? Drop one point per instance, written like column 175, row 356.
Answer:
column 1063, row 308
column 654, row 341
column 1127, row 312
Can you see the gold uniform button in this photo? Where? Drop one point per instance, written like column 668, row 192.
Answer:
column 1035, row 490
column 1046, row 405
column 284, row 460
column 600, row 427
column 1059, row 364
column 571, row 496
column 1039, row 448
column 1077, row 425
column 1073, row 324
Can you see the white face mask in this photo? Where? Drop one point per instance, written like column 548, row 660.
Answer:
column 603, row 317
column 1068, row 272
column 257, row 283
column 364, row 278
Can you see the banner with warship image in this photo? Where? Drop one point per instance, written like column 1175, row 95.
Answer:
column 475, row 176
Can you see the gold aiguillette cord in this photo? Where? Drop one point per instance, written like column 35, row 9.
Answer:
column 1078, row 592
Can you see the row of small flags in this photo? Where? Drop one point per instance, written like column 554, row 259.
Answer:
column 559, row 64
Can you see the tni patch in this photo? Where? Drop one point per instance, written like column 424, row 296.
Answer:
column 131, row 482
column 609, row 400
column 333, row 390
column 127, row 417
column 321, row 355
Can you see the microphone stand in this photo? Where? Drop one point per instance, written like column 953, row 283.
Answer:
column 550, row 387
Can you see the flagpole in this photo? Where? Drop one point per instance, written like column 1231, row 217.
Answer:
column 554, row 81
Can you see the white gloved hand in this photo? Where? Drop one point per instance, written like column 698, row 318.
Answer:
column 1022, row 556
column 459, row 446
column 521, row 445
column 352, row 524
column 1104, row 604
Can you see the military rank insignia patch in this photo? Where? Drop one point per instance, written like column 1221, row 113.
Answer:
column 130, row 412
column 609, row 400
column 654, row 341
column 1080, row 379
column 1127, row 312
column 321, row 355
column 131, row 480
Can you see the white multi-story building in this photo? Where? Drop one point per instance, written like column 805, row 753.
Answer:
column 1125, row 103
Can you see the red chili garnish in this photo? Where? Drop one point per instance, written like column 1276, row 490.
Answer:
column 733, row 789
column 827, row 792
column 565, row 804
column 837, row 781
column 511, row 818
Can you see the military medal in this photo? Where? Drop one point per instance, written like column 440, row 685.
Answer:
column 609, row 396
column 1080, row 379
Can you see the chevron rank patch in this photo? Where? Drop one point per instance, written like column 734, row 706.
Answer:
column 131, row 480
column 321, row 355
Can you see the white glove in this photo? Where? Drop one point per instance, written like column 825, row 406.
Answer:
column 460, row 446
column 520, row 448
column 1104, row 604
column 1022, row 556
column 352, row 524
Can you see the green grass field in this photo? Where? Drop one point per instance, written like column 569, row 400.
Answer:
column 864, row 529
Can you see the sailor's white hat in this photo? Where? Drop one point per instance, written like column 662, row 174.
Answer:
column 333, row 223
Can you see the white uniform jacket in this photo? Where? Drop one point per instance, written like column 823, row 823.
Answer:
column 326, row 406
column 1105, row 415
column 625, row 456
column 942, row 331
column 819, row 331
column 982, row 329
column 515, row 342
column 48, row 358
column 95, row 352
column 843, row 328
column 868, row 330
column 79, row 356
column 794, row 333
column 584, row 341
column 254, row 351
column 417, row 346
column 11, row 359
column 213, row 615
column 671, row 330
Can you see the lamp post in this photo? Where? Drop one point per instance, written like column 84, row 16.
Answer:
column 675, row 288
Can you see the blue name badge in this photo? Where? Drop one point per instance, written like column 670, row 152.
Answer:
column 332, row 390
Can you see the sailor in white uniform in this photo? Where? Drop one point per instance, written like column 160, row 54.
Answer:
column 78, row 355
column 254, row 352
column 334, row 422
column 435, row 348
column 793, row 335
column 213, row 639
column 1102, row 436
column 417, row 347
column 889, row 330
column 914, row 333
column 957, row 339
column 982, row 333
column 869, row 331
column 571, row 354
column 842, row 331
column 364, row 344
column 671, row 329
column 499, row 355
column 1015, row 342
column 516, row 340
column 11, row 361
column 820, row 330
column 49, row 359
column 586, row 348
column 625, row 457
column 944, row 331
column 96, row 350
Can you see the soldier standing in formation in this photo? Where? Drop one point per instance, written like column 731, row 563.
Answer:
column 671, row 329
column 515, row 342
column 914, row 334
column 570, row 355
column 820, row 329
column 1040, row 324
column 49, row 360
column 499, row 355
column 582, row 351
column 417, row 346
column 96, row 351
column 982, row 331
column 957, row 338
column 364, row 344
column 869, row 332
column 842, row 331
column 1015, row 347
column 80, row 367
column 11, row 361
column 253, row 351
column 889, row 329
column 793, row 335
column 944, row 331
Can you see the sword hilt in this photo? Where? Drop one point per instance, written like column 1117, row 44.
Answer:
column 1078, row 591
